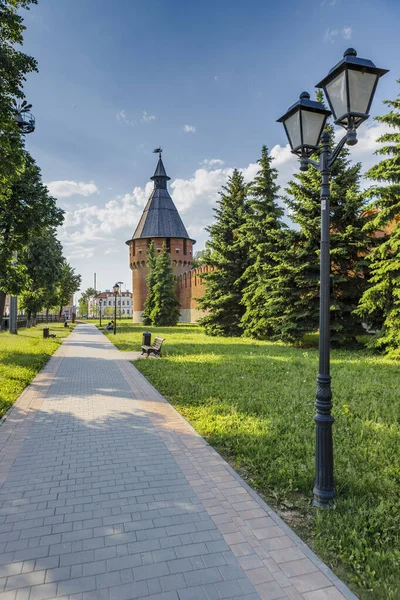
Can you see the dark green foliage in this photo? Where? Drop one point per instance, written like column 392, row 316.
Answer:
column 165, row 311
column 14, row 66
column 26, row 213
column 349, row 244
column 380, row 304
column 43, row 260
column 150, row 280
column 264, row 238
column 224, row 285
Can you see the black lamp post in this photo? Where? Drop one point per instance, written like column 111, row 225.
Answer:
column 120, row 301
column 115, row 290
column 25, row 121
column 100, row 303
column 349, row 87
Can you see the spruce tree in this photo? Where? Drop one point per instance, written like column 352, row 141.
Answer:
column 264, row 235
column 349, row 245
column 380, row 304
column 228, row 256
column 150, row 280
column 165, row 311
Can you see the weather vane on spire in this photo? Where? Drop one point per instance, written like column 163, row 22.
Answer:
column 159, row 150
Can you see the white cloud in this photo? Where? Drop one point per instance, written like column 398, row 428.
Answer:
column 332, row 34
column 212, row 162
column 122, row 118
column 147, row 118
column 346, row 32
column 189, row 129
column 64, row 189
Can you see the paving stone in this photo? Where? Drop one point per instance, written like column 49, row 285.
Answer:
column 310, row 582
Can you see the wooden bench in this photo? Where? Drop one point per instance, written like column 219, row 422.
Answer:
column 155, row 348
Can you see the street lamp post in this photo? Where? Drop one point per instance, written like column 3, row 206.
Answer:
column 115, row 290
column 349, row 87
column 25, row 121
column 100, row 303
column 120, row 300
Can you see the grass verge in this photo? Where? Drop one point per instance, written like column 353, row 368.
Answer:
column 21, row 358
column 253, row 402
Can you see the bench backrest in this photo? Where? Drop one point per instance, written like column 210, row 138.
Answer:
column 158, row 342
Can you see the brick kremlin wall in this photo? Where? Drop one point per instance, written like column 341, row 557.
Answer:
column 190, row 287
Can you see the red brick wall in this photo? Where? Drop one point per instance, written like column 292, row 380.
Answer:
column 190, row 286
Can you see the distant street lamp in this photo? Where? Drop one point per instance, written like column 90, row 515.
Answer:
column 120, row 300
column 115, row 290
column 26, row 123
column 349, row 87
column 100, row 303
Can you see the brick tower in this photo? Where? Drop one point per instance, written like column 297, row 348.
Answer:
column 160, row 223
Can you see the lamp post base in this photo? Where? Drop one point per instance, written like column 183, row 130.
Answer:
column 323, row 499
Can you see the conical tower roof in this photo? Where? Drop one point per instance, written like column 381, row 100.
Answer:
column 160, row 217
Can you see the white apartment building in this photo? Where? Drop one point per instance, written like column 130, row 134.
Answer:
column 124, row 304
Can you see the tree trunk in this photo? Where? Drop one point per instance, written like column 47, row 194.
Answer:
column 47, row 314
column 2, row 305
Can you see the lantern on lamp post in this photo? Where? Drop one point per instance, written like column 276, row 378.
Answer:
column 349, row 87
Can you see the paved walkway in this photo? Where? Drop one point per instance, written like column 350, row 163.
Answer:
column 107, row 493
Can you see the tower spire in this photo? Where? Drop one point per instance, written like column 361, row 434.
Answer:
column 160, row 176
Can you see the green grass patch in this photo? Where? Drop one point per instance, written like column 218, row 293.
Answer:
column 253, row 402
column 21, row 358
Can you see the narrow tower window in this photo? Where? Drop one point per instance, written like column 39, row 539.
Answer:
column 185, row 247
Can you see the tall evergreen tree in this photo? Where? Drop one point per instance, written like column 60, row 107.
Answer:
column 380, row 304
column 225, row 252
column 150, row 280
column 165, row 311
column 263, row 235
column 349, row 245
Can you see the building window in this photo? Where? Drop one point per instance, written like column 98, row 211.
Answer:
column 185, row 247
column 168, row 244
column 109, row 303
column 123, row 311
column 123, row 302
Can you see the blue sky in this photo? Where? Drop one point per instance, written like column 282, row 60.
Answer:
column 205, row 80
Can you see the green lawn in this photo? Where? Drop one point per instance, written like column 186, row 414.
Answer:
column 253, row 401
column 21, row 358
